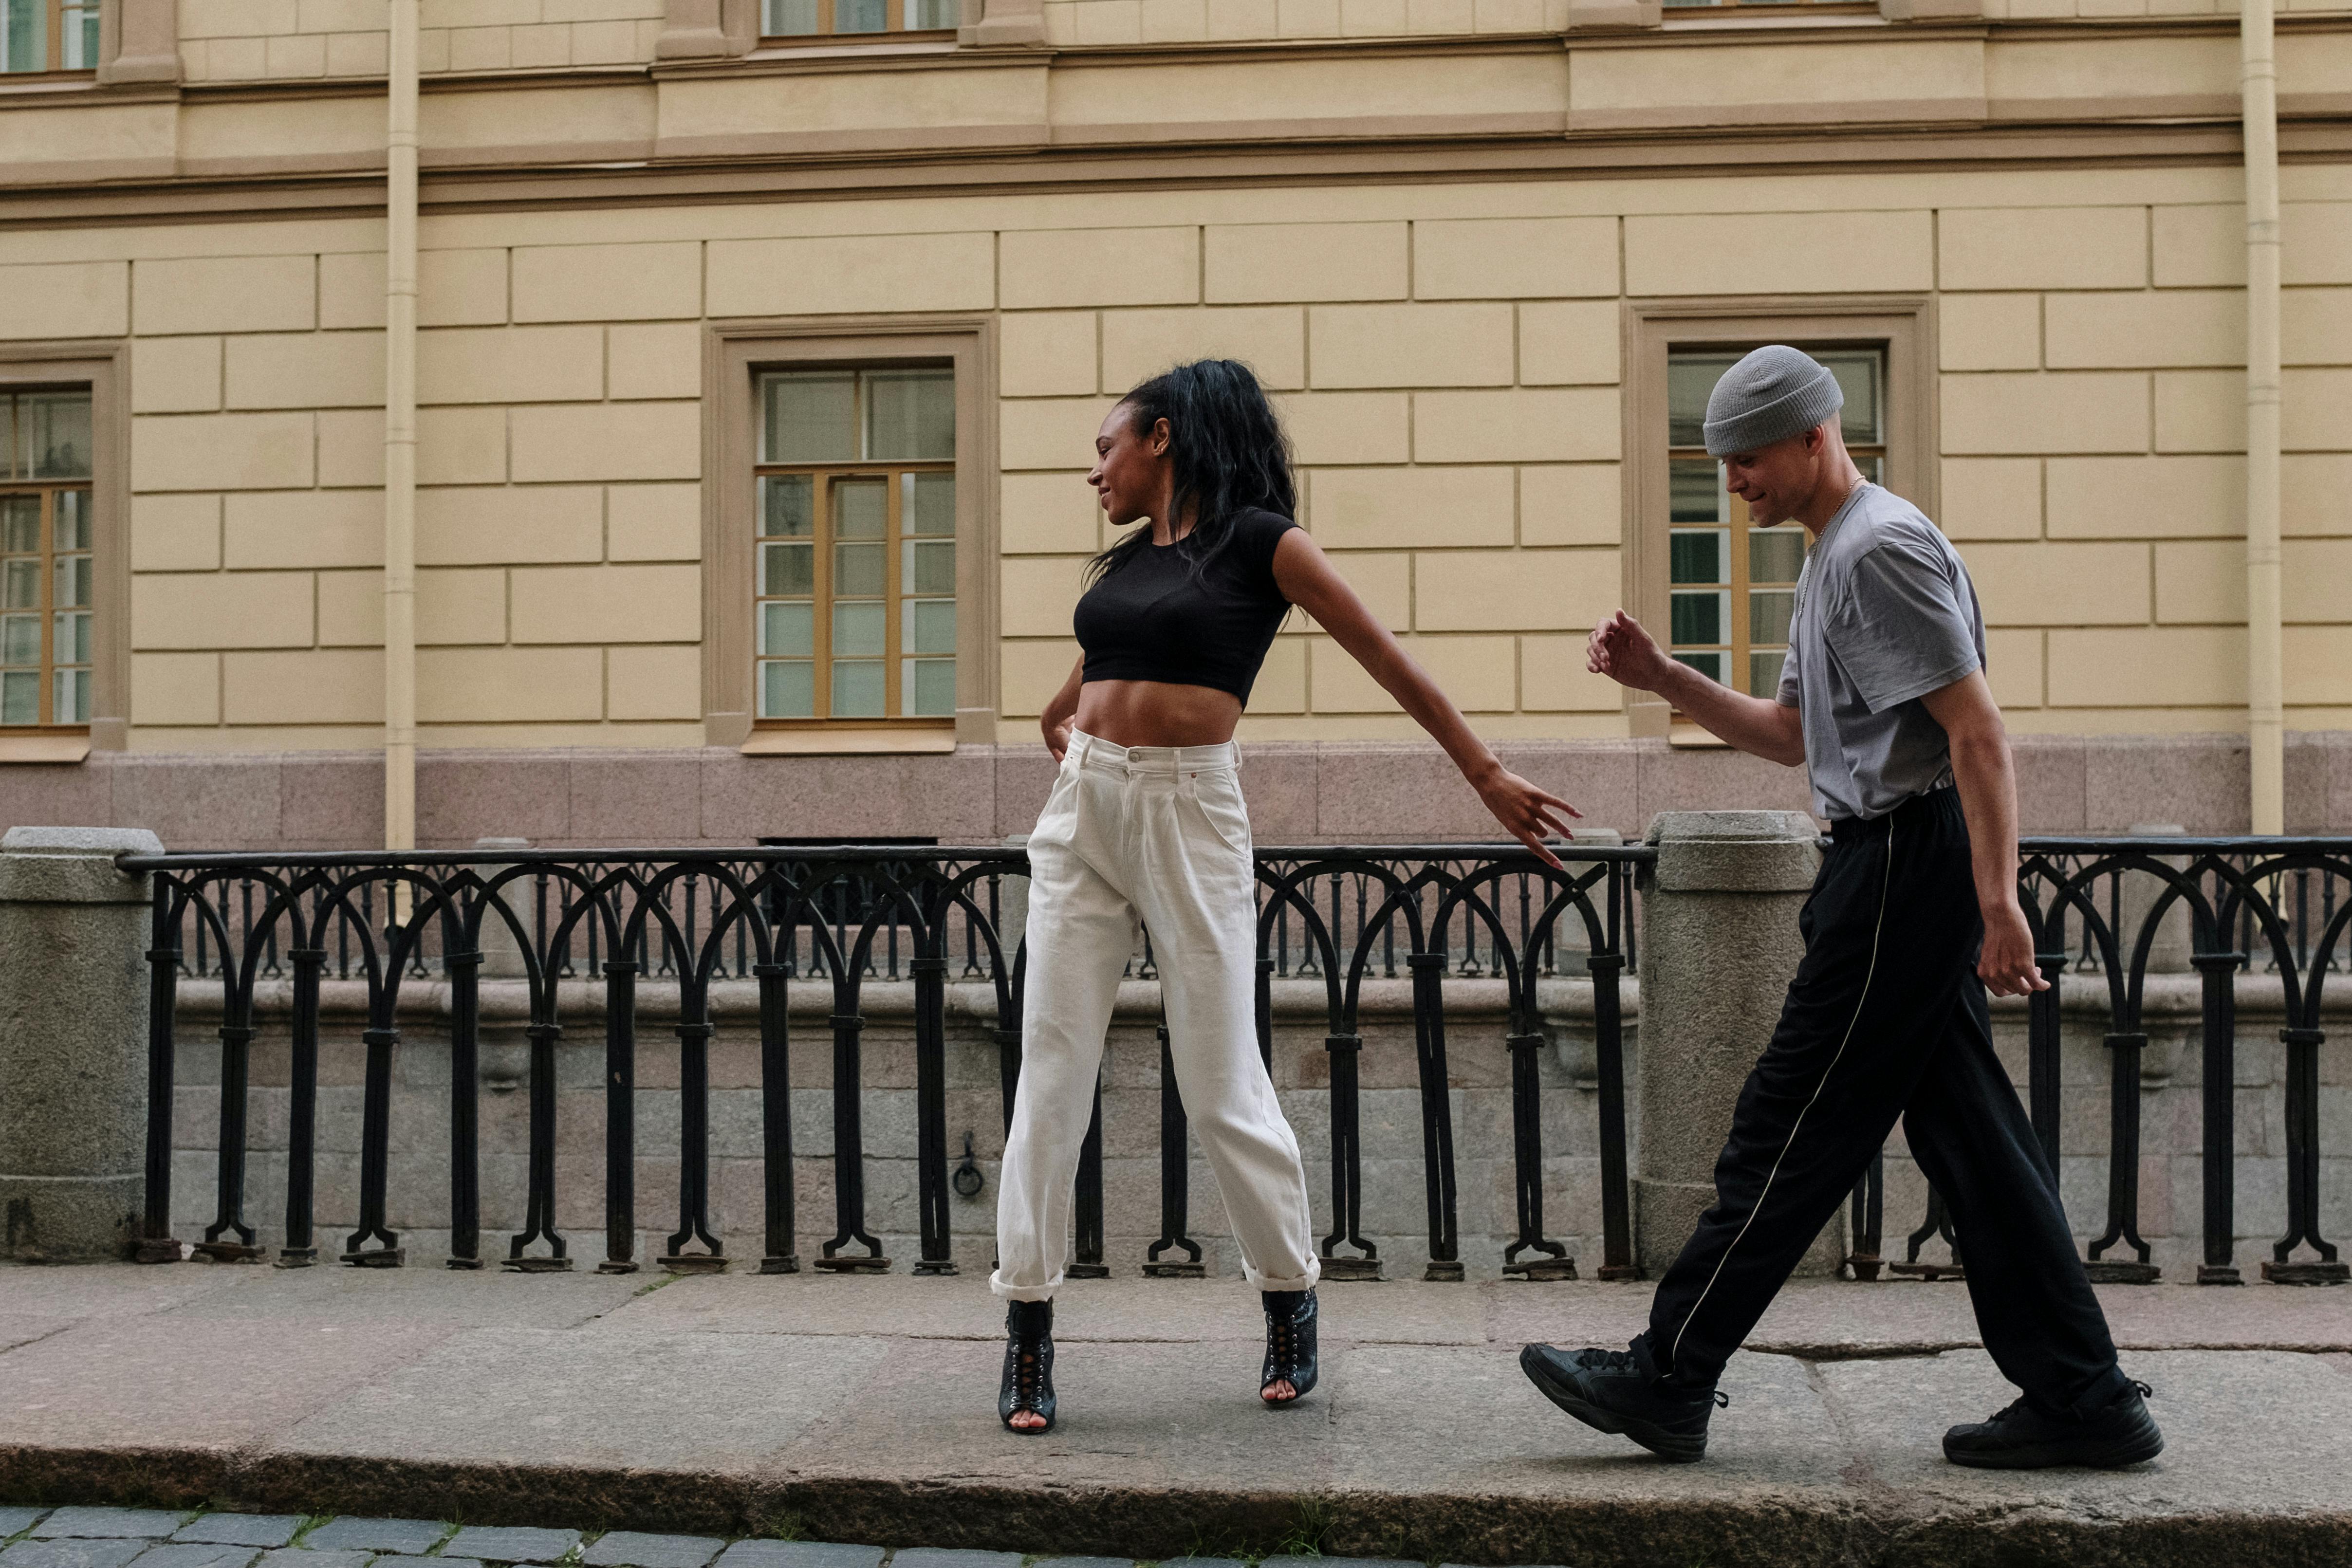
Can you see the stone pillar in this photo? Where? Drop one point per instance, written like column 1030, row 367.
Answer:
column 73, row 1041
column 1719, row 944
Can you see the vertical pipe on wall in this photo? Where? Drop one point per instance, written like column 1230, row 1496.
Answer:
column 2266, row 656
column 400, row 439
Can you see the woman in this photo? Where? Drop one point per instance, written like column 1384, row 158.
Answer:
column 1145, row 821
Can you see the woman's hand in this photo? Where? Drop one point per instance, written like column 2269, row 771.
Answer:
column 1531, row 814
column 1062, row 711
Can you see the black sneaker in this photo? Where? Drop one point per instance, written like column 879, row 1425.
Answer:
column 2022, row 1439
column 1619, row 1391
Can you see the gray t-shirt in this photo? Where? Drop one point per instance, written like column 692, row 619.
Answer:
column 1885, row 613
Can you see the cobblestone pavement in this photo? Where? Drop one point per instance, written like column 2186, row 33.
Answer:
column 167, row 1537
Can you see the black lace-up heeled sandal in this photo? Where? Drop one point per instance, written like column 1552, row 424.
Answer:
column 1289, row 1344
column 1028, row 1382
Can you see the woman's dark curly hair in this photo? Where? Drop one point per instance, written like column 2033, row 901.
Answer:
column 1228, row 449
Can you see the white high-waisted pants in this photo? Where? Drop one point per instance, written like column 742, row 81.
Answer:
column 1159, row 833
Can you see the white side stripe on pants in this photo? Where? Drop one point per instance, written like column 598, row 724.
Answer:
column 1876, row 930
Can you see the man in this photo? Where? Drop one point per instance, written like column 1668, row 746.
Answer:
column 1914, row 915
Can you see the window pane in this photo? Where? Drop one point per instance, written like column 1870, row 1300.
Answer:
column 1699, row 555
column 930, row 567
column 20, row 697
column 20, row 524
column 858, row 630
column 1764, row 672
column 71, row 589
column 1708, row 665
column 80, row 34
column 786, row 570
column 911, row 415
column 788, row 505
column 1872, row 469
column 857, row 688
column 1775, row 555
column 72, row 645
column 20, row 585
column 787, row 690
column 23, row 46
column 20, row 639
column 73, row 699
column 810, row 418
column 858, row 571
column 861, row 509
column 930, row 627
column 859, row 16
column 928, row 505
column 57, row 427
column 1856, row 371
column 1695, row 490
column 7, row 428
column 1768, row 612
column 791, row 19
column 1701, row 618
column 922, row 14
column 929, row 686
column 789, row 629
column 1689, row 379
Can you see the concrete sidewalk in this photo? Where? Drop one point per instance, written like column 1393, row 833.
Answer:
column 862, row 1410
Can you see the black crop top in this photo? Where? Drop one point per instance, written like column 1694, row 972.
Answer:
column 1154, row 618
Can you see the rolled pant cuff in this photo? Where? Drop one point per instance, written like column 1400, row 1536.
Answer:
column 1004, row 1292
column 1306, row 1281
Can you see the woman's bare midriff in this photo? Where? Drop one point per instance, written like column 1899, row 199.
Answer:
column 1156, row 713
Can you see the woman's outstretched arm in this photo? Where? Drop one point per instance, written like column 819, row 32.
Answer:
column 1308, row 579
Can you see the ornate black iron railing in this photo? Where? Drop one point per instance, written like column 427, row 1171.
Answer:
column 2105, row 911
column 683, row 921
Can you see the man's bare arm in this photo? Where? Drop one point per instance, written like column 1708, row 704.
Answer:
column 1987, row 782
column 1619, row 649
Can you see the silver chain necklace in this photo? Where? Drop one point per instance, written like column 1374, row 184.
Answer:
column 1805, row 572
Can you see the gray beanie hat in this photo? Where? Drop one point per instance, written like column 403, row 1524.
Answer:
column 1773, row 394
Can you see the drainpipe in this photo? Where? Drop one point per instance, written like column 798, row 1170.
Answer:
column 2266, row 656
column 400, row 440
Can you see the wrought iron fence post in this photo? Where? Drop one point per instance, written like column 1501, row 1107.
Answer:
column 930, row 970
column 1175, row 1176
column 375, row 1137
column 464, row 1109
column 2123, row 1169
column 776, row 1117
column 300, row 1250
column 228, row 1190
column 849, row 1140
column 155, row 1243
column 1087, row 1244
column 539, row 1204
column 2303, row 1170
column 1618, row 1261
column 2219, row 1093
column 694, row 1031
column 1437, row 1111
column 620, row 1116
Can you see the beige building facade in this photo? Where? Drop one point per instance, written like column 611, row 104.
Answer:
column 761, row 346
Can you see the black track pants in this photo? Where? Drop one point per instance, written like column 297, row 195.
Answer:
column 1886, row 1017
